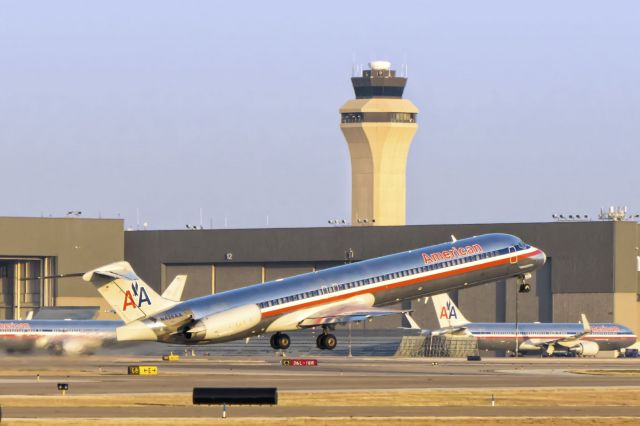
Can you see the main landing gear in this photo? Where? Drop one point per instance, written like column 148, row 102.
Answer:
column 280, row 341
column 525, row 287
column 326, row 341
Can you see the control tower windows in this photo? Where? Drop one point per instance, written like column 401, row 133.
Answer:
column 378, row 117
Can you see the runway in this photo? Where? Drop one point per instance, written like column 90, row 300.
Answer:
column 99, row 378
column 101, row 374
column 109, row 374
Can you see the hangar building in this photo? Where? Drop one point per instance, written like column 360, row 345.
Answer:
column 40, row 247
column 592, row 266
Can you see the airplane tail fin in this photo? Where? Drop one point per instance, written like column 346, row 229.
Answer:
column 128, row 295
column 447, row 312
column 175, row 289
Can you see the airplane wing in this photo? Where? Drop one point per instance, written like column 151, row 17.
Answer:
column 449, row 330
column 569, row 341
column 574, row 340
column 347, row 313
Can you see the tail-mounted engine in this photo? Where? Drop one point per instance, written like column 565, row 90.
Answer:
column 226, row 323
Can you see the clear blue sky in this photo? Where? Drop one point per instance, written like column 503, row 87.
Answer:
column 167, row 107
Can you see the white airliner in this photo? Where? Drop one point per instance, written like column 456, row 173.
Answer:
column 69, row 336
column 352, row 292
column 582, row 339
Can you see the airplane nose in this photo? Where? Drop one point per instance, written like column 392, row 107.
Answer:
column 540, row 258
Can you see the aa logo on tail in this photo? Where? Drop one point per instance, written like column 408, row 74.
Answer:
column 136, row 291
column 449, row 311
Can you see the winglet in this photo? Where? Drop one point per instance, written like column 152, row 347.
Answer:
column 412, row 323
column 175, row 289
column 585, row 324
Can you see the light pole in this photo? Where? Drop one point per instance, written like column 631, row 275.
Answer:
column 517, row 346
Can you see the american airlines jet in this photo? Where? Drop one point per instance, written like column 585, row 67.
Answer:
column 69, row 336
column 582, row 339
column 352, row 292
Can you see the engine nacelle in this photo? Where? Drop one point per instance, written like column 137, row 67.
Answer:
column 225, row 323
column 74, row 347
column 586, row 348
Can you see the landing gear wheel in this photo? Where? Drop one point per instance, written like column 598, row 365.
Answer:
column 319, row 340
column 272, row 341
column 283, row 341
column 525, row 288
column 329, row 341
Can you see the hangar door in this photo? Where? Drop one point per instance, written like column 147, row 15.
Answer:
column 199, row 279
column 229, row 277
column 18, row 294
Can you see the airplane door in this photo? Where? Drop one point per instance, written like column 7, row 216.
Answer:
column 513, row 257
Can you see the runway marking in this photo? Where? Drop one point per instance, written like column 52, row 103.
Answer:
column 48, row 380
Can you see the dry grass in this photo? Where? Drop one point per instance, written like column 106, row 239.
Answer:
column 406, row 398
column 515, row 398
column 336, row 421
column 632, row 373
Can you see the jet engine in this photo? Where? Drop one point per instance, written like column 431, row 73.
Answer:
column 225, row 323
column 75, row 347
column 586, row 348
column 69, row 347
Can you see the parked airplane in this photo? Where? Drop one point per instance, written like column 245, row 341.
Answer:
column 582, row 339
column 68, row 336
column 352, row 292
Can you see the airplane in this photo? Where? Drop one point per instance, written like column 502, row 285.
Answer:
column 68, row 336
column 351, row 292
column 582, row 339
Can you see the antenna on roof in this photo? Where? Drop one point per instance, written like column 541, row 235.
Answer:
column 354, row 71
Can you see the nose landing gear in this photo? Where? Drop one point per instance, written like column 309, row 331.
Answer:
column 525, row 287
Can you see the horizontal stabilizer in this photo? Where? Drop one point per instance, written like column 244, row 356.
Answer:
column 67, row 312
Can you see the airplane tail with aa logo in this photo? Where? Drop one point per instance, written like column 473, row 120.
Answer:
column 128, row 295
column 447, row 312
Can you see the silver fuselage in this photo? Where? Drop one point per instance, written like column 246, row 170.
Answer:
column 534, row 336
column 384, row 280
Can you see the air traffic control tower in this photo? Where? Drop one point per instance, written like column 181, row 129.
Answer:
column 379, row 126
